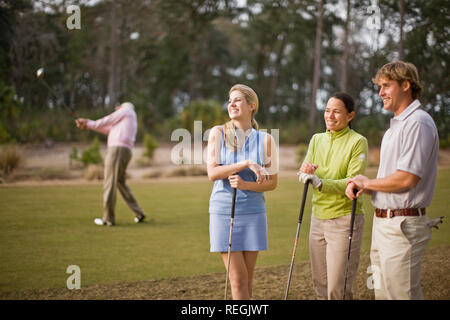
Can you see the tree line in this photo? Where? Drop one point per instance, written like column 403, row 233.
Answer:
column 171, row 56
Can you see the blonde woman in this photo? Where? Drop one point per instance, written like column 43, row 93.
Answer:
column 242, row 157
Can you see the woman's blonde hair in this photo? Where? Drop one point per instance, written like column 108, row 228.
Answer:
column 401, row 71
column 252, row 98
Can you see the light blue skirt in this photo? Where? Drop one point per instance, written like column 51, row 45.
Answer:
column 249, row 232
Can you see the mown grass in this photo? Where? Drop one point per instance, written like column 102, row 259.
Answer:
column 44, row 229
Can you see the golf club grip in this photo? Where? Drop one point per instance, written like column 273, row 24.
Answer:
column 302, row 208
column 233, row 204
column 352, row 221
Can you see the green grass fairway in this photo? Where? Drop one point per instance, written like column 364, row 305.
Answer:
column 44, row 229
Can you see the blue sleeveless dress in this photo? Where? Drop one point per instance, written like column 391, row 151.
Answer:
column 250, row 221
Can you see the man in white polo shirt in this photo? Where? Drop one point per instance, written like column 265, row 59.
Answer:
column 404, row 185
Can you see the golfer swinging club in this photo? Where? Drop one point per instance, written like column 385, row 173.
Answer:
column 241, row 157
column 121, row 128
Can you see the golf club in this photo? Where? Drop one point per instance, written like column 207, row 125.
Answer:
column 350, row 235
column 40, row 75
column 229, row 241
column 300, row 218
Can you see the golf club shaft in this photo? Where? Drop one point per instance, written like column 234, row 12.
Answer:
column 63, row 103
column 350, row 236
column 233, row 205
column 300, row 218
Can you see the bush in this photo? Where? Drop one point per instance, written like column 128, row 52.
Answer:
column 4, row 135
column 10, row 157
column 444, row 143
column 150, row 145
column 94, row 171
column 92, row 154
column 208, row 111
column 9, row 112
column 73, row 156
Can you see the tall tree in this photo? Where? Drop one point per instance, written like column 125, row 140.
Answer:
column 344, row 68
column 401, row 9
column 316, row 75
column 9, row 16
column 113, row 75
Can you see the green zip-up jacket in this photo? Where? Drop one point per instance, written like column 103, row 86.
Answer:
column 339, row 156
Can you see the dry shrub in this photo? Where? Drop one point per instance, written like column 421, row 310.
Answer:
column 94, row 171
column 10, row 157
column 143, row 162
column 38, row 174
column 50, row 174
column 154, row 174
column 188, row 171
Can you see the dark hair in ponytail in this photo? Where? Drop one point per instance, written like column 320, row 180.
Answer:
column 348, row 101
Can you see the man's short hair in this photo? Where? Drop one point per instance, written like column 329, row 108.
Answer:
column 401, row 71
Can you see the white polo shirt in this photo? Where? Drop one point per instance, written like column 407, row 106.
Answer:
column 411, row 144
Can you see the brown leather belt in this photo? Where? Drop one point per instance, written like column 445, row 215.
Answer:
column 383, row 213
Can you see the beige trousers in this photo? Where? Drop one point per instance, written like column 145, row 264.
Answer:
column 116, row 162
column 328, row 250
column 396, row 253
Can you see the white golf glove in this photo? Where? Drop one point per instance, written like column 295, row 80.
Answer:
column 315, row 181
column 434, row 223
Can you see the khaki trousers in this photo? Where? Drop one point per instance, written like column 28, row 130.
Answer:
column 396, row 253
column 116, row 162
column 328, row 250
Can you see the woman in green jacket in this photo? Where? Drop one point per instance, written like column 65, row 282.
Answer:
column 333, row 157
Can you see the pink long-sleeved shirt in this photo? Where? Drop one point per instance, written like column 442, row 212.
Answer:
column 120, row 126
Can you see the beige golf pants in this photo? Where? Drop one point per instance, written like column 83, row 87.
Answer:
column 397, row 249
column 116, row 162
column 328, row 250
